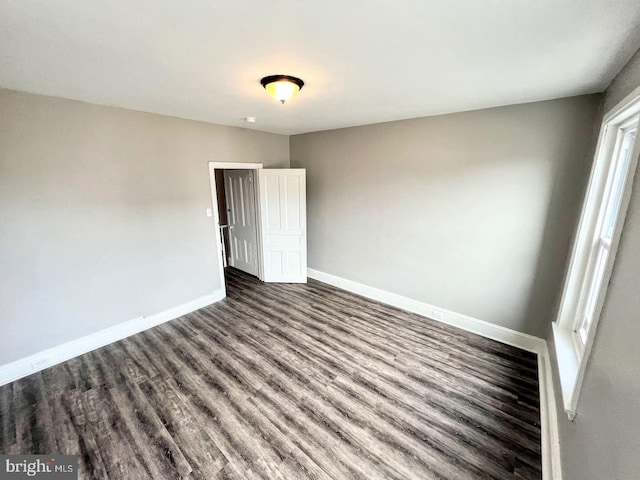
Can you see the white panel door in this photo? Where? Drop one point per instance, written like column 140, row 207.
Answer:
column 240, row 196
column 283, row 222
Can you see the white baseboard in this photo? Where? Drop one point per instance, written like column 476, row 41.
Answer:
column 551, row 465
column 47, row 358
column 551, row 461
column 470, row 324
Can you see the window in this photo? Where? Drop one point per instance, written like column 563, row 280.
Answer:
column 596, row 244
column 601, row 243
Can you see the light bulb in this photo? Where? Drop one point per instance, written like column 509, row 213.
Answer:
column 282, row 87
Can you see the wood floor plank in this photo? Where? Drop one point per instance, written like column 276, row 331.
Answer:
column 147, row 434
column 200, row 451
column 7, row 417
column 34, row 430
column 117, row 449
column 287, row 382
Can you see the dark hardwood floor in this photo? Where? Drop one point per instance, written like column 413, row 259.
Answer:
column 286, row 382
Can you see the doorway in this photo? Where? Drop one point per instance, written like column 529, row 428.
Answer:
column 260, row 220
column 237, row 205
column 223, row 213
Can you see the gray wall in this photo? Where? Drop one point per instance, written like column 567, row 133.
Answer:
column 102, row 215
column 472, row 212
column 624, row 83
column 604, row 440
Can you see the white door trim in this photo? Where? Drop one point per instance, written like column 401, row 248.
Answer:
column 213, row 166
column 234, row 166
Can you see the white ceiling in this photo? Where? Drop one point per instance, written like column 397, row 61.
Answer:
column 362, row 61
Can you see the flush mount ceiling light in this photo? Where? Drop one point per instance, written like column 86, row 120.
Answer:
column 282, row 87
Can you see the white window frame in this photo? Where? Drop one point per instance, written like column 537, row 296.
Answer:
column 572, row 352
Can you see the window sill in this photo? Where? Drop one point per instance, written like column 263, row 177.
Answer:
column 568, row 368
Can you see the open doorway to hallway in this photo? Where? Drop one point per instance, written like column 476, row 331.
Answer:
column 237, row 211
column 261, row 219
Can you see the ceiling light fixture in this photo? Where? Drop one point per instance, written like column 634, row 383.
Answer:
column 282, row 87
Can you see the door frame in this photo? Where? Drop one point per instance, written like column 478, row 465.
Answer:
column 213, row 166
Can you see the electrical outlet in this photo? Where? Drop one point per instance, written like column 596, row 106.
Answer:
column 40, row 363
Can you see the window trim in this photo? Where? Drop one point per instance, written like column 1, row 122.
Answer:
column 571, row 355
